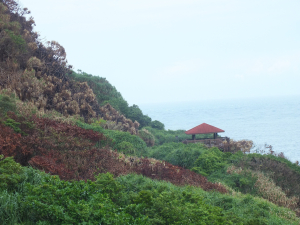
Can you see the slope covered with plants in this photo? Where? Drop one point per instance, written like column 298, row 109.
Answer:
column 39, row 73
column 72, row 151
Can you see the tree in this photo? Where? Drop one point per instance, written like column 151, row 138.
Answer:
column 135, row 113
column 157, row 125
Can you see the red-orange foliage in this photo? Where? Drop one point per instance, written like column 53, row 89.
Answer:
column 175, row 174
column 46, row 136
column 69, row 151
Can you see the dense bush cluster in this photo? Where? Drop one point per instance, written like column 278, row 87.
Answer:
column 39, row 72
column 166, row 136
column 106, row 93
column 117, row 121
column 147, row 137
column 29, row 196
column 36, row 71
column 267, row 176
column 7, row 104
column 76, row 153
column 79, row 127
column 117, row 137
column 284, row 173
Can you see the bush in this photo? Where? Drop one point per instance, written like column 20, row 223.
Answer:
column 147, row 137
column 178, row 153
column 106, row 93
column 163, row 136
column 61, row 202
column 165, row 203
column 14, row 125
column 166, row 136
column 283, row 172
column 9, row 173
column 103, row 90
column 157, row 125
column 126, row 148
column 117, row 137
column 209, row 162
column 7, row 104
column 17, row 40
column 40, row 198
column 135, row 113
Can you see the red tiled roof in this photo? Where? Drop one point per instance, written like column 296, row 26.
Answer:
column 204, row 128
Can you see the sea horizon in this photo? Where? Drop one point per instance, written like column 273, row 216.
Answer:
column 270, row 120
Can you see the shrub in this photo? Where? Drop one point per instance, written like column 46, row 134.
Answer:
column 17, row 40
column 241, row 180
column 7, row 104
column 178, row 153
column 126, row 148
column 158, row 200
column 61, row 202
column 14, row 125
column 284, row 173
column 166, row 204
column 167, row 136
column 209, row 161
column 259, row 184
column 185, row 155
column 163, row 136
column 235, row 146
column 119, row 136
column 147, row 137
column 46, row 140
column 104, row 91
column 115, row 137
column 135, row 113
column 9, row 173
column 157, row 125
column 130, row 199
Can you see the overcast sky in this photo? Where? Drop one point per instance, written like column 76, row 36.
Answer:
column 179, row 50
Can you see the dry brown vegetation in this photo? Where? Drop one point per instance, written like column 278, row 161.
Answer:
column 268, row 190
column 117, row 120
column 148, row 138
column 36, row 72
column 235, row 146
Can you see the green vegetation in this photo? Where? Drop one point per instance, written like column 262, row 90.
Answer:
column 147, row 137
column 30, row 196
column 9, row 173
column 17, row 40
column 117, row 138
column 156, row 202
column 209, row 161
column 51, row 118
column 166, row 136
column 157, row 125
column 7, row 103
column 135, row 113
column 14, row 125
column 106, row 93
column 178, row 153
column 268, row 176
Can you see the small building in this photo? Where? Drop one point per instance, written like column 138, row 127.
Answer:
column 205, row 128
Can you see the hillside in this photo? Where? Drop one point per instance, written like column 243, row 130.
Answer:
column 72, row 151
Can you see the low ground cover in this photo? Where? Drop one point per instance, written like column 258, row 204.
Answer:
column 32, row 196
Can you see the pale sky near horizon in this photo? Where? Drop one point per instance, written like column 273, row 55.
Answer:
column 156, row 51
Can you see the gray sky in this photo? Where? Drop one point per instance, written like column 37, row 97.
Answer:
column 179, row 50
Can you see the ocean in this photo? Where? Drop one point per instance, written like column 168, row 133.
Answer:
column 272, row 121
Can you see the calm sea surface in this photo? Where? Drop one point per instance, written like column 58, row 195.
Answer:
column 272, row 121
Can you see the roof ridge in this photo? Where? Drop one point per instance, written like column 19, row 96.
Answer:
column 204, row 128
